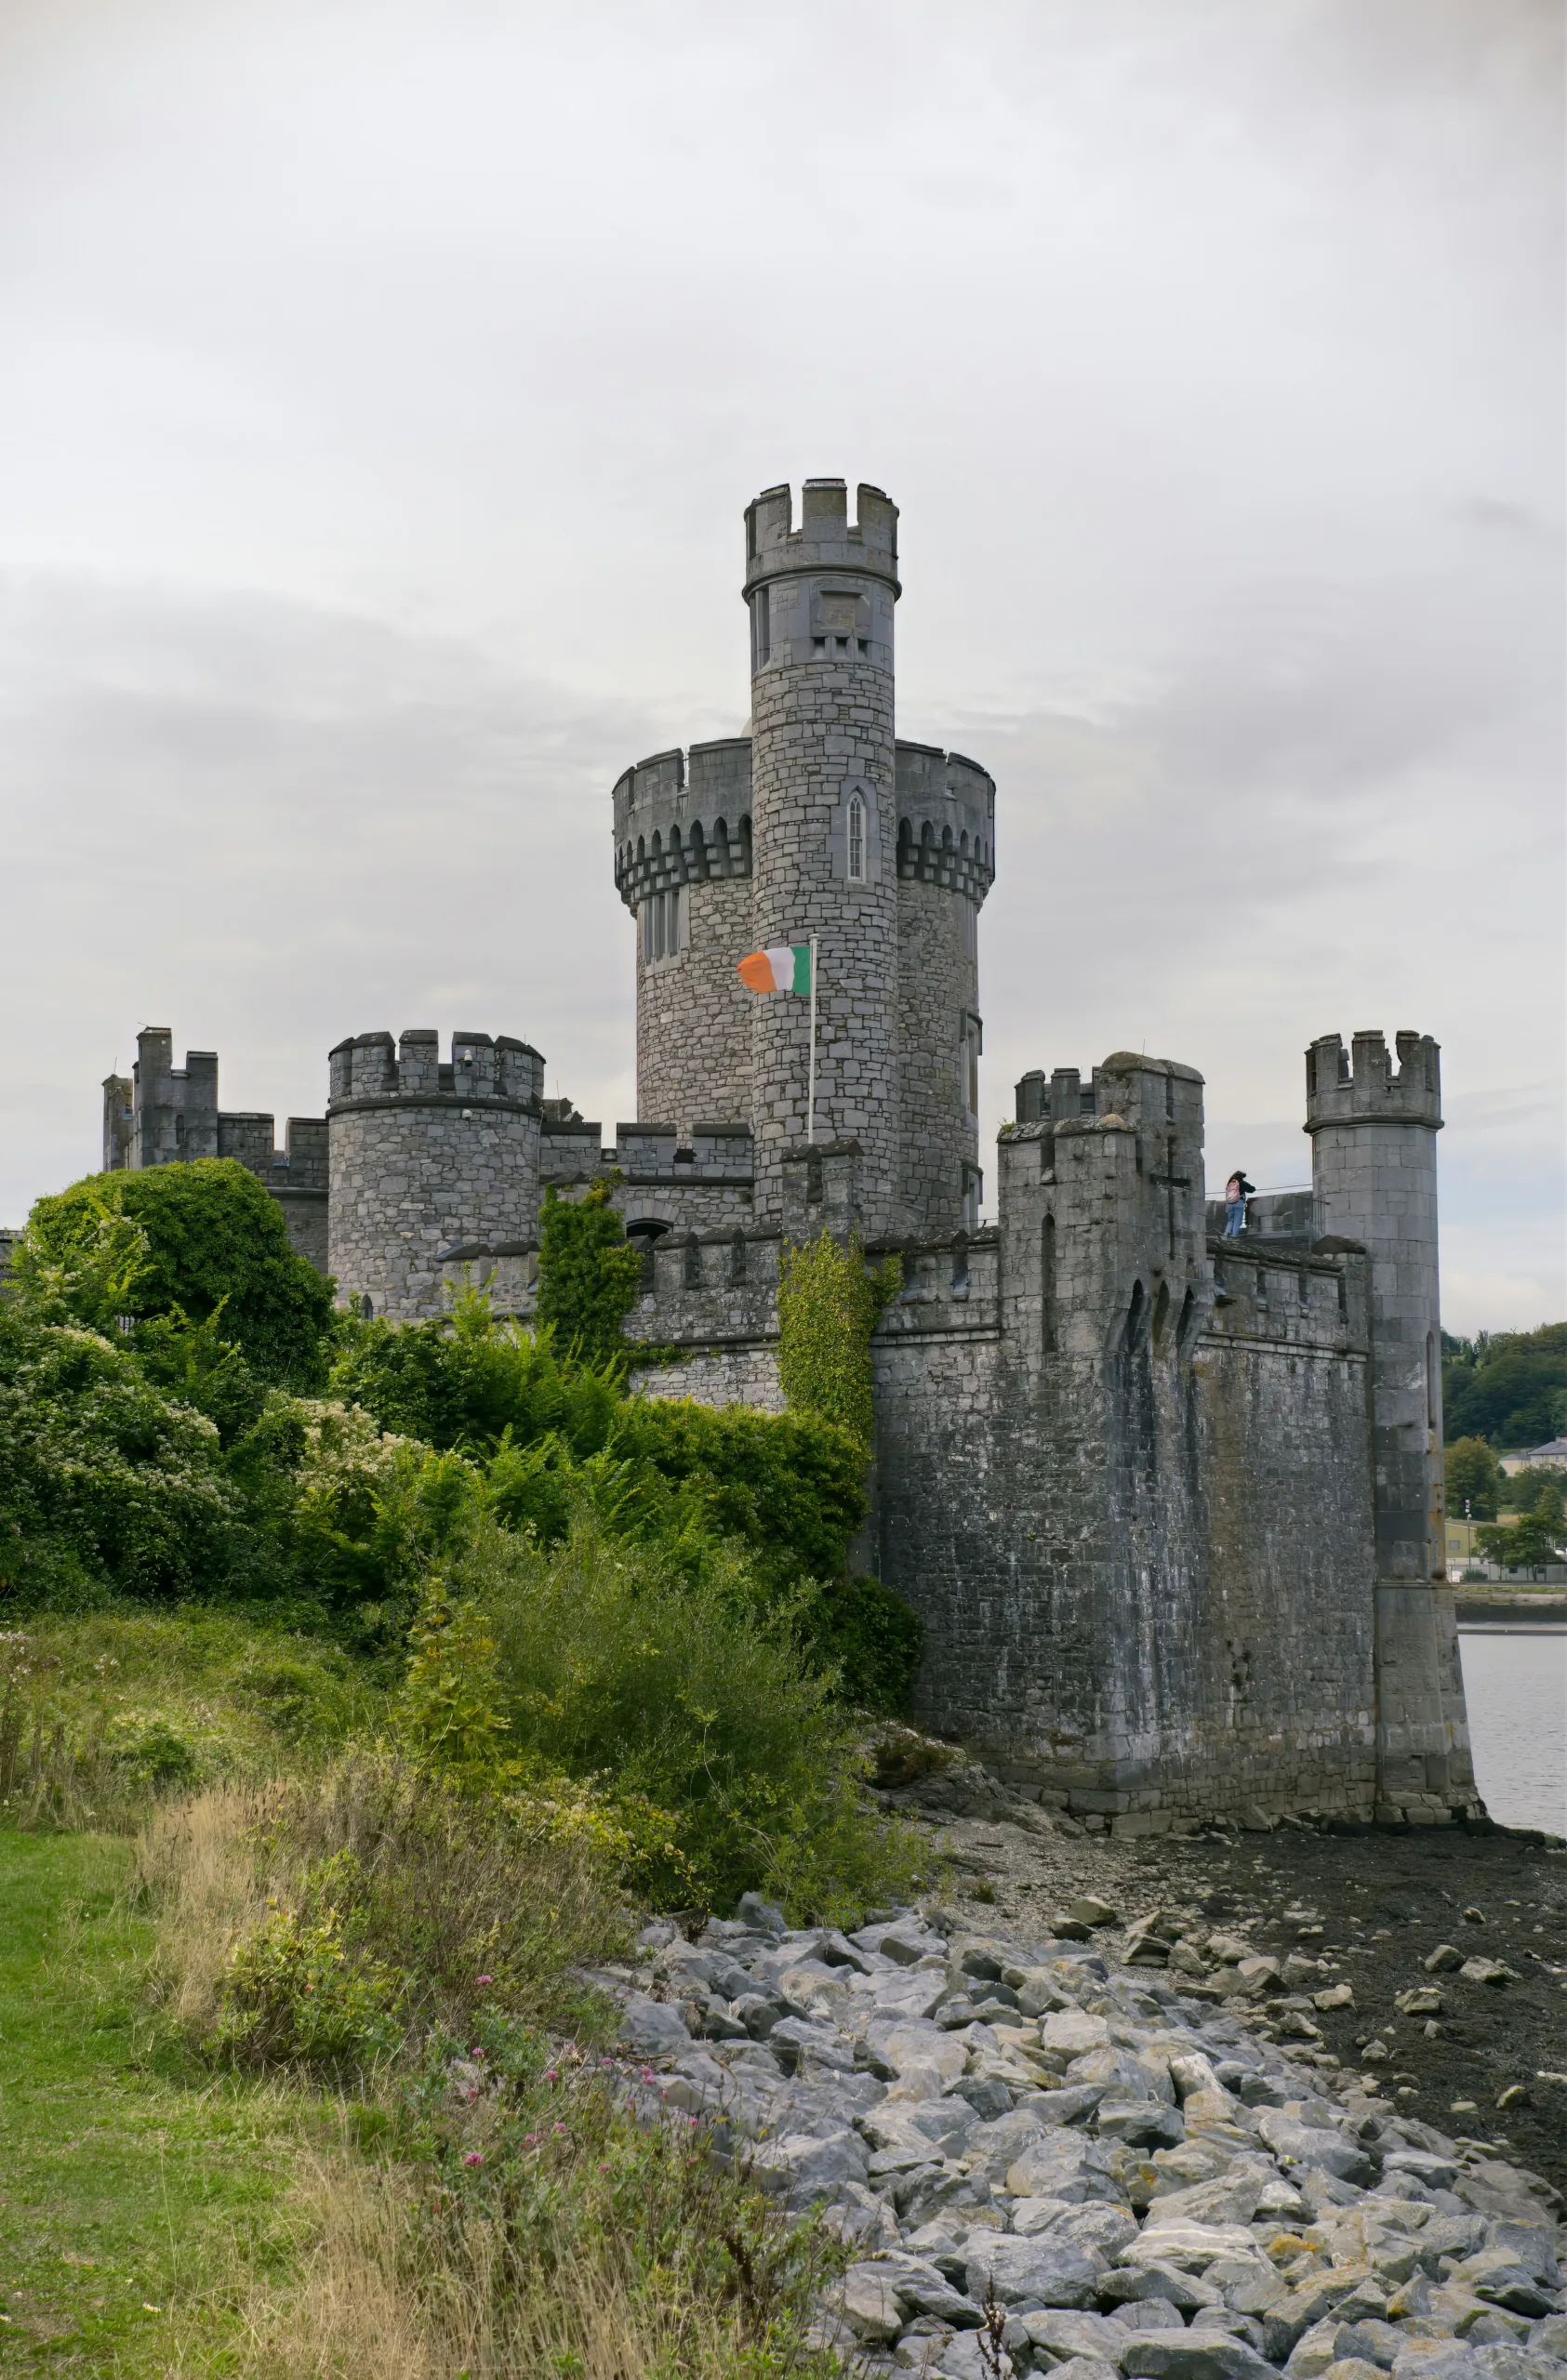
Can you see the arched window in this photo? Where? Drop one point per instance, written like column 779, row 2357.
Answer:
column 856, row 838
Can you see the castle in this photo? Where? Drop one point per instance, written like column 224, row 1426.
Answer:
column 1168, row 1504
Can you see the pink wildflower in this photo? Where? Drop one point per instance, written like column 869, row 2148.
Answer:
column 484, row 1979
column 474, row 2157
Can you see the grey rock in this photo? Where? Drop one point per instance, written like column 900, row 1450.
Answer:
column 1211, row 2356
column 793, row 2036
column 1067, row 2333
column 1049, row 2271
column 1516, row 2362
column 1371, row 2342
column 652, row 2027
column 1150, row 2314
column 1141, row 2123
column 752, row 1909
column 1184, row 2291
column 969, row 2358
column 1548, row 2336
column 801, row 2168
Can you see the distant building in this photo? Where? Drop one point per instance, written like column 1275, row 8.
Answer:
column 1552, row 1456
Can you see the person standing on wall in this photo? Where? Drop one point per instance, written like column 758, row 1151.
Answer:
column 1237, row 1190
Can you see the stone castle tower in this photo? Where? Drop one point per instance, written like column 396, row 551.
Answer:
column 819, row 825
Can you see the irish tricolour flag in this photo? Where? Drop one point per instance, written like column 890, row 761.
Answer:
column 786, row 970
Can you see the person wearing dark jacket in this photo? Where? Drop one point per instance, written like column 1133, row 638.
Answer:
column 1237, row 1190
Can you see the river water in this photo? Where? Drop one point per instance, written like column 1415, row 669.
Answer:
column 1515, row 1684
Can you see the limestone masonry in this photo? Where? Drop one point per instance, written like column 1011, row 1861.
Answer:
column 1169, row 1506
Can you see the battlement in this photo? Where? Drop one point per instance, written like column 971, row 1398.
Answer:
column 369, row 1070
column 1149, row 1094
column 300, row 1164
column 826, row 538
column 1367, row 1089
column 946, row 820
column 683, row 819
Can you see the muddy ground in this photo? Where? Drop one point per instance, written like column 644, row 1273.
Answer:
column 1369, row 1908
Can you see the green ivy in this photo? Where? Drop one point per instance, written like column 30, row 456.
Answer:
column 828, row 1305
column 589, row 1280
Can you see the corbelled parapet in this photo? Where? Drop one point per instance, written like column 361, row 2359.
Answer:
column 946, row 820
column 683, row 819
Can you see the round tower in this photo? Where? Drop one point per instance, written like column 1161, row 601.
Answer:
column 1374, row 1170
column 823, row 828
column 423, row 1157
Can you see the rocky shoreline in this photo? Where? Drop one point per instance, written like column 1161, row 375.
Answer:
column 1180, row 2124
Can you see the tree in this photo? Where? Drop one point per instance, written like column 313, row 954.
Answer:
column 1528, row 1544
column 589, row 1280
column 1509, row 1387
column 216, row 1244
column 1473, row 1478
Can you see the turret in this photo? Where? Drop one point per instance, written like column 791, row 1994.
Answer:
column 426, row 1156
column 1374, row 1169
column 1374, row 1129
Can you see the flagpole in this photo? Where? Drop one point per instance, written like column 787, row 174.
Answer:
column 811, row 1093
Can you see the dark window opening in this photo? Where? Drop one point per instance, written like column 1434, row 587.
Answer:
column 1137, row 1319
column 1161, row 1312
column 1047, row 1283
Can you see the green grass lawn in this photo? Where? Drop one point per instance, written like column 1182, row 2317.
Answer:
column 131, row 2187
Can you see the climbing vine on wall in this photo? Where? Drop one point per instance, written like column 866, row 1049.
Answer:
column 589, row 1280
column 828, row 1305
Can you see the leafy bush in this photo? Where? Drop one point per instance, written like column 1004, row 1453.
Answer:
column 216, row 1244
column 467, row 1380
column 293, row 1995
column 104, row 1479
column 589, row 1280
column 616, row 1665
column 872, row 1638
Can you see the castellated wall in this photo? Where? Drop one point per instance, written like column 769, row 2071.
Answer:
column 1122, row 1472
column 426, row 1156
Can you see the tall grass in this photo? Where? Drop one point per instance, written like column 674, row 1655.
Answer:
column 493, row 2206
column 448, row 1904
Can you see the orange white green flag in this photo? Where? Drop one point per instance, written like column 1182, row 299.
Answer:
column 785, row 969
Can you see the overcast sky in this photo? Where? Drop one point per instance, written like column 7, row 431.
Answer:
column 380, row 389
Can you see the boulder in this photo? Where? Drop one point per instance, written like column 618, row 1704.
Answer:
column 802, row 2168
column 1210, row 2355
column 652, row 2027
column 1051, row 2271
column 1141, row 2123
column 1492, row 1971
column 866, row 2300
column 1073, row 2032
